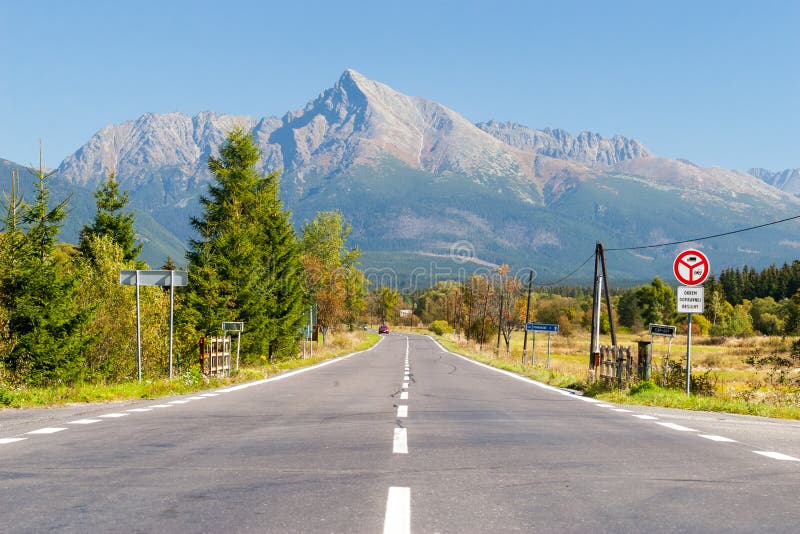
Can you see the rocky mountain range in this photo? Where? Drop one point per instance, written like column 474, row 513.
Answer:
column 425, row 189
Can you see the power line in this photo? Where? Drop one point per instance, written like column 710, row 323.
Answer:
column 570, row 274
column 705, row 237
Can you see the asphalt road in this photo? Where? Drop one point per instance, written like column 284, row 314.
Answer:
column 347, row 447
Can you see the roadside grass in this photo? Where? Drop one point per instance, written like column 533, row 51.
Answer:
column 188, row 381
column 739, row 388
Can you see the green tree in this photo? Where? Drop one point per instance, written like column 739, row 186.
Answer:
column 331, row 278
column 44, row 329
column 657, row 302
column 245, row 265
column 111, row 221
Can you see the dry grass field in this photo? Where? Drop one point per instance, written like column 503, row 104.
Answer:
column 738, row 386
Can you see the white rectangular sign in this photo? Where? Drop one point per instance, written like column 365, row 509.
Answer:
column 691, row 299
column 154, row 278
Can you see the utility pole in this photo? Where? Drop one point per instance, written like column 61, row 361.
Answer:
column 527, row 318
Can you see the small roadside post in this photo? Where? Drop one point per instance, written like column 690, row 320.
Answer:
column 691, row 268
column 542, row 327
column 238, row 327
column 163, row 278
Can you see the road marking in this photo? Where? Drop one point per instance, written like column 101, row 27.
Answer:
column 405, row 385
column 718, row 438
column 47, row 430
column 3, row 441
column 604, row 405
column 210, row 395
column 778, row 456
column 621, row 410
column 195, row 398
column 646, row 417
column 402, row 411
column 113, row 415
column 84, row 422
column 162, row 406
column 140, row 410
column 680, row 428
column 404, row 395
column 400, row 443
column 178, row 402
column 283, row 376
column 398, row 511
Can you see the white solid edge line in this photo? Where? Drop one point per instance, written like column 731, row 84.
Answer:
column 298, row 371
column 518, row 377
column 722, row 439
column 778, row 456
column 84, row 421
column 210, row 395
column 179, row 401
column 398, row 511
column 621, row 410
column 400, row 441
column 4, row 441
column 404, row 395
column 604, row 405
column 47, row 430
column 645, row 417
column 680, row 428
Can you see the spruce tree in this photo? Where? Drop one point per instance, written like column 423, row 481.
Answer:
column 245, row 265
column 111, row 221
column 44, row 322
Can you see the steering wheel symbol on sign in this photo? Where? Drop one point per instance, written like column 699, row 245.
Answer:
column 691, row 267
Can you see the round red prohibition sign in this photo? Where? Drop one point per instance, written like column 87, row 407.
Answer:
column 691, row 267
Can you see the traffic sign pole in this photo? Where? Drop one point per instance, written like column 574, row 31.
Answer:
column 691, row 268
column 689, row 357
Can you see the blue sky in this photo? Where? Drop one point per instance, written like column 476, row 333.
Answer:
column 717, row 83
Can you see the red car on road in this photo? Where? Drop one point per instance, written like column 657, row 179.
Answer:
column 383, row 329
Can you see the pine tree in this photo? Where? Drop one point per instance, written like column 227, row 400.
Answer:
column 245, row 266
column 44, row 322
column 111, row 221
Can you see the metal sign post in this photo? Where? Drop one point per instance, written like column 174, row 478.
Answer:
column 161, row 278
column 691, row 268
column 542, row 327
column 665, row 331
column 238, row 327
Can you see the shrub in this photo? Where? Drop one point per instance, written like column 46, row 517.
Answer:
column 641, row 387
column 440, row 328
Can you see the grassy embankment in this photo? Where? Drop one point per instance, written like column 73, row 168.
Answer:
column 737, row 386
column 186, row 382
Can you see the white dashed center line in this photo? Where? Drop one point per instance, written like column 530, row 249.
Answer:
column 161, row 406
column 402, row 411
column 645, row 417
column 179, row 402
column 113, row 415
column 404, row 395
column 138, row 410
column 398, row 511
column 48, row 430
column 400, row 442
column 84, row 422
column 3, row 441
column 405, row 385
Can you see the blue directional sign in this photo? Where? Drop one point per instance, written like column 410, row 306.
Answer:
column 541, row 327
